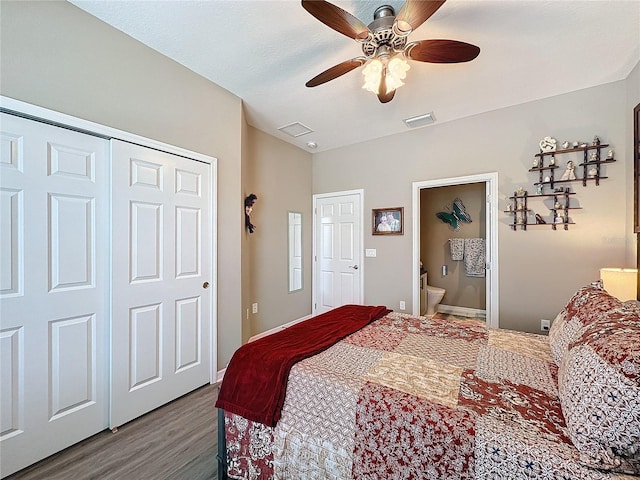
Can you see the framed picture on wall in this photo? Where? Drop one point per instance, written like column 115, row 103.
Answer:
column 388, row 221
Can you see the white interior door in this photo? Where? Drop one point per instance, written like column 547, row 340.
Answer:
column 53, row 289
column 161, row 272
column 337, row 250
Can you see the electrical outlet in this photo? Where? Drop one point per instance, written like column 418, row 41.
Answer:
column 254, row 308
column 370, row 252
column 545, row 325
column 402, row 305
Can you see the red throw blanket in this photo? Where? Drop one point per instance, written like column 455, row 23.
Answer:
column 255, row 381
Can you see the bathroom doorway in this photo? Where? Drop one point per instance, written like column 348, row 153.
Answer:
column 467, row 290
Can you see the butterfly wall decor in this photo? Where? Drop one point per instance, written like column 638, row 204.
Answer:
column 455, row 216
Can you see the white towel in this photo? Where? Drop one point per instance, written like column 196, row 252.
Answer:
column 474, row 257
column 456, row 246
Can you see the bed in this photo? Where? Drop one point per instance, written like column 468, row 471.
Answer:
column 405, row 397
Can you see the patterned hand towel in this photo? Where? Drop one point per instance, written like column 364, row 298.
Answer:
column 474, row 257
column 457, row 248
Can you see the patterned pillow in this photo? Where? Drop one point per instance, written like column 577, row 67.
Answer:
column 586, row 306
column 599, row 388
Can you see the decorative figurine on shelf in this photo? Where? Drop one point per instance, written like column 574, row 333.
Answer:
column 566, row 144
column 576, row 143
column 249, row 201
column 570, row 172
column 539, row 219
column 552, row 161
column 547, row 179
column 539, row 189
column 520, row 192
column 610, row 155
column 548, row 144
column 593, row 157
column 559, row 220
column 536, row 162
column 596, row 140
column 509, row 204
column 593, row 171
column 583, row 145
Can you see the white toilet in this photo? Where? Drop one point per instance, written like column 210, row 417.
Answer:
column 430, row 297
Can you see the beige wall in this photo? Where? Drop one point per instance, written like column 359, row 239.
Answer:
column 461, row 290
column 633, row 99
column 281, row 178
column 57, row 56
column 538, row 269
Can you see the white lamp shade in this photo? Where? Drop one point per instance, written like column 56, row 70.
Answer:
column 620, row 282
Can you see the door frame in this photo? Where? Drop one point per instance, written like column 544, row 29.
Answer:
column 52, row 117
column 314, row 282
column 490, row 180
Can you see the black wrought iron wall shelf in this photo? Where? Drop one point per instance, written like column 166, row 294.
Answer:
column 520, row 210
column 587, row 164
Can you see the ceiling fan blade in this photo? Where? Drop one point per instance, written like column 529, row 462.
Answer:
column 336, row 18
column 415, row 13
column 386, row 97
column 383, row 96
column 441, row 51
column 336, row 71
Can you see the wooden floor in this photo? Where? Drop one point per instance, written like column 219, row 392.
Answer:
column 177, row 441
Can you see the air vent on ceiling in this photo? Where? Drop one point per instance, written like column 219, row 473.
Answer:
column 420, row 120
column 295, row 129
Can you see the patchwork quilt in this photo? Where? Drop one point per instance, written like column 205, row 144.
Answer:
column 416, row 398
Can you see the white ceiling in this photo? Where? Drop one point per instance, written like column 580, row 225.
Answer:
column 264, row 51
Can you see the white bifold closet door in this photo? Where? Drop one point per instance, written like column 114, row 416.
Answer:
column 161, row 248
column 53, row 289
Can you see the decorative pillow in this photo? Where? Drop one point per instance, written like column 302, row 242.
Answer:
column 599, row 388
column 586, row 306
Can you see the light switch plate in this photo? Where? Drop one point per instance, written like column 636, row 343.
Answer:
column 370, row 252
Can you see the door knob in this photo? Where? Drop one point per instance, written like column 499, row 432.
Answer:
column 205, row 285
column 355, row 267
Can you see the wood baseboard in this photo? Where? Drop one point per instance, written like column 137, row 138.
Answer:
column 279, row 328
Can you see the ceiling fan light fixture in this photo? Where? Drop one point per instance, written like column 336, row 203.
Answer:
column 396, row 72
column 372, row 73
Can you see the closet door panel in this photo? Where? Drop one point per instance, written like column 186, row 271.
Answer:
column 161, row 260
column 53, row 288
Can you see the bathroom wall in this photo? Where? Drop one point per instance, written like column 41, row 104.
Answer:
column 461, row 291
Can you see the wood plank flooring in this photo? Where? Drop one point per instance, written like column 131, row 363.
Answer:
column 177, row 441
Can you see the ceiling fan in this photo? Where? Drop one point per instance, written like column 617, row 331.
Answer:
column 384, row 44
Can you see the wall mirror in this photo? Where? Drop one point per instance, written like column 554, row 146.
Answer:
column 295, row 251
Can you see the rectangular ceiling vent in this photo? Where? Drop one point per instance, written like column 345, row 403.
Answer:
column 295, row 129
column 420, row 120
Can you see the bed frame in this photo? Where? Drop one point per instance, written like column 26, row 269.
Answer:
column 222, row 447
